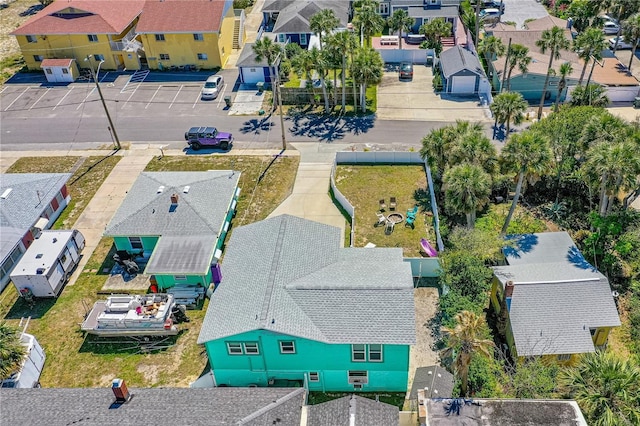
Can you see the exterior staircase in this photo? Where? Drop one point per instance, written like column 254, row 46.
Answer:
column 448, row 41
column 238, row 29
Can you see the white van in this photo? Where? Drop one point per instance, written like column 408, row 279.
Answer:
column 490, row 13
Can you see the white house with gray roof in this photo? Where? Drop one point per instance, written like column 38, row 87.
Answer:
column 553, row 301
column 178, row 221
column 462, row 73
column 29, row 203
column 296, row 307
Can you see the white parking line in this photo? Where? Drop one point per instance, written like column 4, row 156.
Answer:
column 81, row 104
column 176, row 96
column 154, row 95
column 196, row 101
column 43, row 95
column 14, row 101
column 4, row 88
column 60, row 101
column 221, row 95
column 130, row 96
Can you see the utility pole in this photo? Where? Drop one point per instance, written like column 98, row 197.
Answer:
column 279, row 95
column 94, row 75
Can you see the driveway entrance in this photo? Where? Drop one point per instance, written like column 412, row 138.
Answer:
column 415, row 100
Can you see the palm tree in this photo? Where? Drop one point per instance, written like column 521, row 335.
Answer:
column 474, row 148
column 565, row 70
column 529, row 155
column 518, row 56
column 434, row 30
column 589, row 44
column 606, row 388
column 464, row 340
column 400, row 21
column 12, row 351
column 368, row 20
column 367, row 68
column 508, row 107
column 492, row 47
column 346, row 42
column 269, row 51
column 304, row 64
column 554, row 41
column 435, row 147
column 631, row 30
column 593, row 94
column 321, row 65
column 323, row 22
column 467, row 189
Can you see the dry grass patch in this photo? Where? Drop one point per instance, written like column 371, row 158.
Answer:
column 365, row 185
column 14, row 13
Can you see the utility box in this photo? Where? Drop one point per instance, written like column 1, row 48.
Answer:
column 260, row 86
column 48, row 263
column 227, row 101
column 636, row 102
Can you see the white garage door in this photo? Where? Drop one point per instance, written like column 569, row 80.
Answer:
column 463, row 84
column 252, row 75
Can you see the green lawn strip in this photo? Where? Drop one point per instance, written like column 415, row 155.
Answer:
column 365, row 185
column 43, row 165
column 523, row 221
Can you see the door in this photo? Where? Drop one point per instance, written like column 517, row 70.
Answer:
column 464, row 84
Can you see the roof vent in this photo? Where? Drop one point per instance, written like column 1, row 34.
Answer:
column 39, row 256
column 55, row 240
column 40, row 271
column 186, row 189
column 174, row 198
column 6, row 193
column 160, row 189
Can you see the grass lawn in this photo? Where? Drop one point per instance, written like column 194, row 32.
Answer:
column 522, row 222
column 83, row 184
column 364, row 186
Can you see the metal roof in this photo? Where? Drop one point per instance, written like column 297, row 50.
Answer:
column 302, row 283
column 191, row 255
column 544, row 247
column 437, row 382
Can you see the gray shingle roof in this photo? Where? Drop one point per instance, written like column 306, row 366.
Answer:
column 156, row 406
column 544, row 247
column 248, row 58
column 302, row 283
column 442, row 12
column 459, row 59
column 30, row 195
column 436, row 380
column 365, row 411
column 294, row 17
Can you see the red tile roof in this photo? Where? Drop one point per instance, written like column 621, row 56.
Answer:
column 56, row 63
column 83, row 17
column 181, row 16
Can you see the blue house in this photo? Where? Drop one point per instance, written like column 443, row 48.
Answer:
column 422, row 11
column 178, row 221
column 296, row 308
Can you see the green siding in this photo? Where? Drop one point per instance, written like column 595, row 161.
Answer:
column 148, row 243
column 168, row 281
column 531, row 85
column 331, row 361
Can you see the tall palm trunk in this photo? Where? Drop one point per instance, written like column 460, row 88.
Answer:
column 471, row 219
column 508, row 124
column 324, row 92
column 546, row 85
column 603, row 194
column 633, row 54
column 584, row 70
column 512, row 209
column 335, row 89
column 363, row 99
column 344, row 87
column 509, row 79
column 558, row 96
column 464, row 374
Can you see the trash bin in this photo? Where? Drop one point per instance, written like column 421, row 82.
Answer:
column 636, row 102
column 227, row 101
column 260, row 86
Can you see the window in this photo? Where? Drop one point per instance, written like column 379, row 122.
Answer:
column 375, row 353
column 63, row 259
column 434, row 1
column 252, row 70
column 303, row 39
column 59, row 197
column 358, row 377
column 48, row 212
column 49, row 71
column 234, row 348
column 358, row 353
column 38, row 58
column 65, row 71
column 180, row 277
column 222, row 50
column 564, row 357
column 164, row 56
column 287, row 347
column 32, row 39
column 98, row 58
column 203, row 57
column 198, row 37
column 383, row 8
column 281, row 38
column 159, row 37
column 136, row 243
column 92, row 38
column 314, row 376
column 251, row 348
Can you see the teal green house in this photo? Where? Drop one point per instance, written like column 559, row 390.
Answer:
column 296, row 308
column 178, row 221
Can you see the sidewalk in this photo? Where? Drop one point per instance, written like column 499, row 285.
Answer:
column 310, row 196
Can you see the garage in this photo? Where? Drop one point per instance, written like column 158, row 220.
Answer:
column 464, row 84
column 251, row 71
column 461, row 71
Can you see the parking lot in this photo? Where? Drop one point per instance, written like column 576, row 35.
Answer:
column 159, row 94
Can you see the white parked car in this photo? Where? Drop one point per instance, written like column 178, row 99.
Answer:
column 610, row 28
column 490, row 13
column 212, row 87
column 622, row 43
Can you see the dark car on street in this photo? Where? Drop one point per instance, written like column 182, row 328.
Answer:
column 208, row 137
column 406, row 70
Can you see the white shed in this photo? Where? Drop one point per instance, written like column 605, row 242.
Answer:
column 28, row 376
column 48, row 263
column 60, row 70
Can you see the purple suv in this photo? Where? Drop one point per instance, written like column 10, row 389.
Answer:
column 198, row 137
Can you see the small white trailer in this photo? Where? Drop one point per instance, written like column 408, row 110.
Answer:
column 28, row 375
column 48, row 263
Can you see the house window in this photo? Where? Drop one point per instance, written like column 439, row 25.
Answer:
column 358, row 353
column 203, row 57
column 32, row 39
column 164, row 56
column 38, row 58
column 234, row 348
column 252, row 70
column 48, row 211
column 198, row 37
column 93, row 38
column 314, row 376
column 434, row 1
column 222, row 50
column 375, row 353
column 360, row 377
column 564, row 357
column 98, row 58
column 59, row 197
column 63, row 259
column 287, row 347
column 159, row 37
column 281, row 38
column 49, row 70
column 383, row 8
column 251, row 348
column 65, row 71
column 136, row 243
column 180, row 277
column 303, row 39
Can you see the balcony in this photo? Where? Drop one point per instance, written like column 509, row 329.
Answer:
column 128, row 43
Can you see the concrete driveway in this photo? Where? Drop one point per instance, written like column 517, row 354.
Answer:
column 415, row 100
column 519, row 11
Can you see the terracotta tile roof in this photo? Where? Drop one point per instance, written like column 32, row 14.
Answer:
column 82, row 17
column 56, row 62
column 181, row 16
column 613, row 73
column 546, row 23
